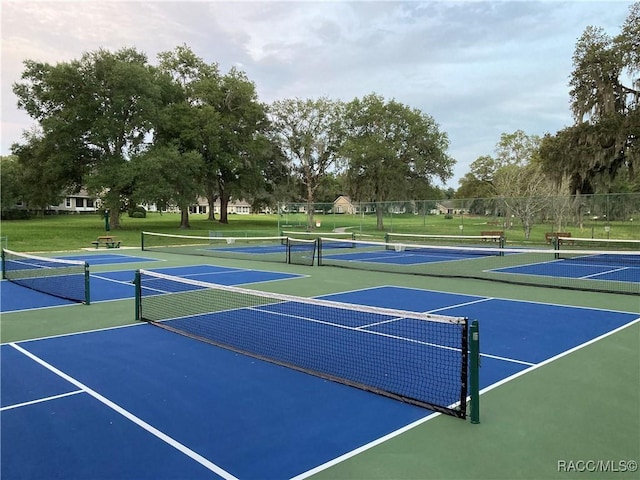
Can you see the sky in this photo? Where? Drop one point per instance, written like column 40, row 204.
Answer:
column 478, row 68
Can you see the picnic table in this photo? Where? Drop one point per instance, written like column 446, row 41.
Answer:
column 109, row 241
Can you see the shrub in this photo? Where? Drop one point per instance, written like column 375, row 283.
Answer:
column 16, row 214
column 138, row 212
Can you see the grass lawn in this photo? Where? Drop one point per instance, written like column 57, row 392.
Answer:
column 72, row 232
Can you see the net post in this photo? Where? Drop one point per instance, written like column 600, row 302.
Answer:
column 87, row 284
column 556, row 247
column 142, row 241
column 319, row 247
column 287, row 242
column 4, row 268
column 138, row 295
column 474, row 374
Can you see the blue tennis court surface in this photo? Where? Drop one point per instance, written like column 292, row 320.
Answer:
column 118, row 285
column 413, row 257
column 594, row 268
column 606, row 267
column 253, row 249
column 141, row 402
column 108, row 258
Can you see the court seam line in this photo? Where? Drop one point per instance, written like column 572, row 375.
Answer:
column 423, row 420
column 130, row 416
column 40, row 400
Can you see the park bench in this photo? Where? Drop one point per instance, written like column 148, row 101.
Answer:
column 550, row 236
column 108, row 241
column 493, row 233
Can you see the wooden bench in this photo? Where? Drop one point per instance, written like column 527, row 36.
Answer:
column 493, row 233
column 549, row 236
column 108, row 241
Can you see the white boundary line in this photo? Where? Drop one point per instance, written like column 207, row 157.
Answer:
column 130, row 416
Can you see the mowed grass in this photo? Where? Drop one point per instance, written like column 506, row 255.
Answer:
column 72, row 232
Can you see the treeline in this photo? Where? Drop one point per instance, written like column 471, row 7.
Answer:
column 133, row 133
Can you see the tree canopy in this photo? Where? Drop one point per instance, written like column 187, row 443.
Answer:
column 392, row 150
column 94, row 114
column 605, row 101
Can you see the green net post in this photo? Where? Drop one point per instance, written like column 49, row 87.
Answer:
column 556, row 246
column 4, row 268
column 474, row 373
column 138, row 295
column 87, row 284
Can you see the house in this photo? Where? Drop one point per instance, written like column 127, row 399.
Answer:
column 343, row 204
column 446, row 207
column 80, row 202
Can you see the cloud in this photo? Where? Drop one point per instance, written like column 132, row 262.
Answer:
column 478, row 68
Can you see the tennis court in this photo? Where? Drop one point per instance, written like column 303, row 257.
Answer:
column 117, row 285
column 139, row 401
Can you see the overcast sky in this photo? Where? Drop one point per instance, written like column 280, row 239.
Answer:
column 478, row 68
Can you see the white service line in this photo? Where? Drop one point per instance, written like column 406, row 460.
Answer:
column 40, row 400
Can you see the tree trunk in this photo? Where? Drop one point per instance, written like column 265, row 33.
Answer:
column 379, row 217
column 527, row 229
column 224, row 203
column 310, row 209
column 211, row 198
column 114, row 218
column 184, row 217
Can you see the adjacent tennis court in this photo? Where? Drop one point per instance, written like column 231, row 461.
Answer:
column 137, row 401
column 106, row 285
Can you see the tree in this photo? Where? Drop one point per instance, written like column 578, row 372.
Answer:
column 515, row 178
column 167, row 176
column 245, row 155
column 94, row 114
column 309, row 134
column 605, row 101
column 221, row 119
column 392, row 150
column 478, row 182
column 525, row 191
column 186, row 124
column 12, row 189
column 45, row 171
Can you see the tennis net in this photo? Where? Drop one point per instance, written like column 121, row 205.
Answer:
column 66, row 279
column 613, row 252
column 417, row 358
column 267, row 249
column 346, row 237
column 408, row 240
column 301, row 251
column 611, row 271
